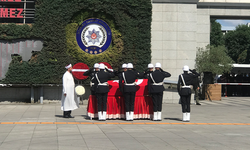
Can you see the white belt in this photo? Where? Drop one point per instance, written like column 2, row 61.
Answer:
column 185, row 86
column 104, row 84
column 129, row 84
column 160, row 83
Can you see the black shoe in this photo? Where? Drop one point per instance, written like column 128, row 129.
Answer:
column 65, row 116
column 70, row 116
column 198, row 104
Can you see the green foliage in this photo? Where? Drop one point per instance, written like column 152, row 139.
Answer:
column 56, row 22
column 242, row 57
column 12, row 31
column 216, row 36
column 213, row 59
column 237, row 41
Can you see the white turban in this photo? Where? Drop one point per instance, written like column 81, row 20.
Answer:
column 68, row 66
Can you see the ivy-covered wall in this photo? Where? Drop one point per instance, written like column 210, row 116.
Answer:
column 12, row 31
column 56, row 23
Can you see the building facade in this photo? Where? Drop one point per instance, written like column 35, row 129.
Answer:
column 178, row 28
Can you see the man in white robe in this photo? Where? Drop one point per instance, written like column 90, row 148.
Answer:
column 69, row 97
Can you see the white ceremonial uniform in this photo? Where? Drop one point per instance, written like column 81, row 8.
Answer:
column 69, row 102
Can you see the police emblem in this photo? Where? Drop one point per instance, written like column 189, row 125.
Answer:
column 93, row 36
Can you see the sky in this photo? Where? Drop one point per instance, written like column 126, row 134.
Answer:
column 227, row 24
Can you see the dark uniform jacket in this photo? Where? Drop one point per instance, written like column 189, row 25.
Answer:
column 158, row 76
column 130, row 76
column 188, row 79
column 196, row 82
column 146, row 74
column 94, row 82
column 103, row 78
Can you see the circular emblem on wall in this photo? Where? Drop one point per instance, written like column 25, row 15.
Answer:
column 93, row 36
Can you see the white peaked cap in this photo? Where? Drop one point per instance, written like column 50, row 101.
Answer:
column 157, row 65
column 96, row 65
column 101, row 66
column 150, row 66
column 130, row 65
column 124, row 65
column 185, row 68
column 68, row 66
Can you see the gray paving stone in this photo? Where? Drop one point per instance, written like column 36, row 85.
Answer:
column 44, row 143
column 4, row 128
column 72, row 147
column 127, row 143
column 15, row 144
column 99, row 143
column 153, row 143
column 128, row 136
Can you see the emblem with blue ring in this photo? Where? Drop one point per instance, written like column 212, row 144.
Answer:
column 93, row 36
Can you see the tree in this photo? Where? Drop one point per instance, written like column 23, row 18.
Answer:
column 238, row 41
column 213, row 59
column 216, row 36
column 242, row 57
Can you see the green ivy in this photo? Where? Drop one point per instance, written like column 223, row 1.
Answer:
column 56, row 22
column 12, row 31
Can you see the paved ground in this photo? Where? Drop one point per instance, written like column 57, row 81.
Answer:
column 216, row 125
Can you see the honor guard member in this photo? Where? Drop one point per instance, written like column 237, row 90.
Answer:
column 91, row 72
column 156, row 88
column 124, row 67
column 69, row 97
column 149, row 70
column 184, row 86
column 129, row 89
column 102, row 90
column 118, row 72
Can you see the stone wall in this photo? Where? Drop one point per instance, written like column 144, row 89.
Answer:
column 21, row 47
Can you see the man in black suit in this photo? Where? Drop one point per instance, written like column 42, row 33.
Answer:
column 102, row 90
column 129, row 89
column 184, row 86
column 156, row 88
column 196, row 87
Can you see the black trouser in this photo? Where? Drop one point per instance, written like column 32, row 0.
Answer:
column 66, row 113
column 185, row 103
column 157, row 101
column 101, row 101
column 129, row 98
column 92, row 92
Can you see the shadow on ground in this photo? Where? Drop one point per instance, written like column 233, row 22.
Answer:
column 177, row 119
